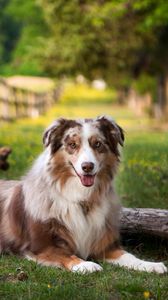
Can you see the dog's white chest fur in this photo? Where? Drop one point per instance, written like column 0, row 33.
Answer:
column 66, row 208
column 85, row 229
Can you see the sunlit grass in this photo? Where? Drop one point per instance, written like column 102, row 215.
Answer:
column 85, row 94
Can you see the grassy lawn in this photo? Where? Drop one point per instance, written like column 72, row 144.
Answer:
column 141, row 182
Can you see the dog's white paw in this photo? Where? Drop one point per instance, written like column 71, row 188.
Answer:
column 86, row 267
column 152, row 267
column 131, row 262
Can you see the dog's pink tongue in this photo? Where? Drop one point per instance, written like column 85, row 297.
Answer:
column 87, row 180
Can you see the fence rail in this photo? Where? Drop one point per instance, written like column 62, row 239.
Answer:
column 16, row 102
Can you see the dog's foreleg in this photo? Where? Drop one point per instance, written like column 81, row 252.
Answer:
column 50, row 257
column 125, row 259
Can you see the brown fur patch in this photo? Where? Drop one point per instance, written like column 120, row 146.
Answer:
column 97, row 145
column 16, row 213
column 72, row 143
column 112, row 135
column 114, row 253
column 13, row 228
column 55, row 133
column 56, row 257
column 108, row 170
column 50, row 234
column 59, row 169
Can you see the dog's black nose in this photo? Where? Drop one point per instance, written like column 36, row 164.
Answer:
column 87, row 167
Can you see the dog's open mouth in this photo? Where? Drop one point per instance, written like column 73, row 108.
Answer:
column 87, row 180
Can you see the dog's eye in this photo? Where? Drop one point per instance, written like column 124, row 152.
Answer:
column 73, row 145
column 98, row 144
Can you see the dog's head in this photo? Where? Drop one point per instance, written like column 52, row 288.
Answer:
column 84, row 147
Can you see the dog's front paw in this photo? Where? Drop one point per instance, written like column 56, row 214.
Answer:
column 86, row 267
column 132, row 262
column 154, row 267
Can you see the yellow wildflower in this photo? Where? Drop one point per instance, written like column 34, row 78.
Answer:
column 146, row 294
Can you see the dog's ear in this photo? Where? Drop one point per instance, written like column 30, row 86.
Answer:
column 53, row 135
column 113, row 133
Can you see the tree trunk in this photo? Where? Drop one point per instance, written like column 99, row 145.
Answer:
column 145, row 220
column 160, row 107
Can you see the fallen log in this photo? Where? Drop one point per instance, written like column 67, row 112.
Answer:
column 144, row 221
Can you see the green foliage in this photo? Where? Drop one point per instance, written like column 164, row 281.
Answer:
column 24, row 57
column 156, row 12
column 145, row 83
column 111, row 39
column 89, row 37
column 9, row 31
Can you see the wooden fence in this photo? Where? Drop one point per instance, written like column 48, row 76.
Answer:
column 16, row 102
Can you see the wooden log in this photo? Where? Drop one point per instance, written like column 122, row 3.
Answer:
column 144, row 221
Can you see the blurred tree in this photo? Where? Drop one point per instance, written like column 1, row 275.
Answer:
column 9, row 33
column 27, row 27
column 116, row 40
column 89, row 37
column 155, row 57
column 119, row 40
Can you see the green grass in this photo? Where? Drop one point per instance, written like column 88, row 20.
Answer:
column 49, row 283
column 141, row 182
column 143, row 176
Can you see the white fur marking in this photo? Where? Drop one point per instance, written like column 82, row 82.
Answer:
column 86, row 267
column 131, row 262
column 86, row 153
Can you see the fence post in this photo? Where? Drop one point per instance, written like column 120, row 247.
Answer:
column 18, row 102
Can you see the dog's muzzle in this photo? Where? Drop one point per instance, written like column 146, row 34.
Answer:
column 87, row 176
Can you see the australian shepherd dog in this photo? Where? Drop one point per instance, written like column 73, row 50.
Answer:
column 64, row 212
